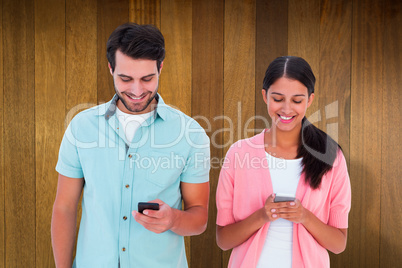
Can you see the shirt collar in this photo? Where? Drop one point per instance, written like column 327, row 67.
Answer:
column 110, row 108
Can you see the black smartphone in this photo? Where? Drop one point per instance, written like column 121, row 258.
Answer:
column 283, row 198
column 147, row 205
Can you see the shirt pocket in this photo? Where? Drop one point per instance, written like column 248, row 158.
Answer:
column 165, row 168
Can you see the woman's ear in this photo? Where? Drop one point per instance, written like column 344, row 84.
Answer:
column 264, row 95
column 310, row 99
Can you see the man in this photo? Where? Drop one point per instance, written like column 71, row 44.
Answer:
column 132, row 149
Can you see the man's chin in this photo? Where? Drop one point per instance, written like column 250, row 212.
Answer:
column 138, row 107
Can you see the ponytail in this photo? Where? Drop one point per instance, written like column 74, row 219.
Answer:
column 318, row 151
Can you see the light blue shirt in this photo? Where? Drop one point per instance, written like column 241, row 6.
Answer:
column 167, row 149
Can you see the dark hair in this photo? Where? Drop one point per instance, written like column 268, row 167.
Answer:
column 137, row 42
column 316, row 147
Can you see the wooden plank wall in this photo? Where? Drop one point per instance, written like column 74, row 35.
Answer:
column 53, row 64
column 391, row 212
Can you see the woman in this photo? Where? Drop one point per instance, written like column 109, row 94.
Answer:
column 295, row 158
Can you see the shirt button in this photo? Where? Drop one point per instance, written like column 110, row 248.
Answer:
column 129, row 156
column 123, row 249
column 124, row 218
column 127, row 186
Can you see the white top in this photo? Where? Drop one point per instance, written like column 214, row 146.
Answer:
column 131, row 122
column 277, row 250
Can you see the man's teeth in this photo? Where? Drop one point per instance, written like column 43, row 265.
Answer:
column 134, row 98
column 286, row 117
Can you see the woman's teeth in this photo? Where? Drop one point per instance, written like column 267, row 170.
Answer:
column 285, row 117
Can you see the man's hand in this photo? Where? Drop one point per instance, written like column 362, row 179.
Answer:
column 157, row 221
column 192, row 220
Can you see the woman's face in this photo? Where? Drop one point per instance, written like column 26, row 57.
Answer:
column 287, row 102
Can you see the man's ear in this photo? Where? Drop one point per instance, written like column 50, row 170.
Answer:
column 110, row 68
column 160, row 69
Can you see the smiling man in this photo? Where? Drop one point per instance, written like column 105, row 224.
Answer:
column 132, row 149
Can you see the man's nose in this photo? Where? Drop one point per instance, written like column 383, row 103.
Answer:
column 136, row 88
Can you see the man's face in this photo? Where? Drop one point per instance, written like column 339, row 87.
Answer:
column 136, row 83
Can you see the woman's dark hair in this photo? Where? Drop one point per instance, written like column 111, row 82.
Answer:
column 317, row 148
column 137, row 42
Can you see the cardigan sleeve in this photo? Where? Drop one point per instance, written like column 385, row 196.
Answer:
column 224, row 199
column 225, row 191
column 341, row 194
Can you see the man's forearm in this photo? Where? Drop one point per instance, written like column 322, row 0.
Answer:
column 192, row 221
column 63, row 237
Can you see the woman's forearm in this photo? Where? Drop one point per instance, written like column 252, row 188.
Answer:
column 329, row 237
column 232, row 235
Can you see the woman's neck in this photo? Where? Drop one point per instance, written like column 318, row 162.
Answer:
column 284, row 139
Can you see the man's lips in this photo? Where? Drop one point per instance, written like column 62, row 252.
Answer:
column 136, row 99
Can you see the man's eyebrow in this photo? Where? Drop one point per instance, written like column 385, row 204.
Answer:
column 297, row 95
column 149, row 75
column 127, row 76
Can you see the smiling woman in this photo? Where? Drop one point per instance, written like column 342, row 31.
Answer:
column 291, row 233
column 287, row 102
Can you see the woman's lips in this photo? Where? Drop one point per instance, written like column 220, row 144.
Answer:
column 286, row 119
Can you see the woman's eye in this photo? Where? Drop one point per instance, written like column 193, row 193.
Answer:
column 297, row 101
column 277, row 100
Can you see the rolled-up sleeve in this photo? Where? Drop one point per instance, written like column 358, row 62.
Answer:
column 341, row 194
column 225, row 192
column 68, row 163
column 197, row 166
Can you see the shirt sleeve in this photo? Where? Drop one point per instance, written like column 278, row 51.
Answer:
column 341, row 194
column 197, row 166
column 225, row 193
column 69, row 164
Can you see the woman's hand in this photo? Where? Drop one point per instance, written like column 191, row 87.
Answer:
column 292, row 211
column 331, row 238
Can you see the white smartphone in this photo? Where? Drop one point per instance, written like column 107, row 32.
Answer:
column 283, row 198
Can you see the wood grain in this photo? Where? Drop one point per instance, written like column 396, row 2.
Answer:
column 239, row 74
column 333, row 87
column 81, row 87
column 239, row 69
column 207, row 88
column 49, row 115
column 2, row 178
column 175, row 79
column 111, row 13
column 176, row 26
column 303, row 38
column 271, row 42
column 365, row 134
column 334, row 83
column 146, row 12
column 391, row 211
column 81, row 57
column 19, row 136
column 217, row 55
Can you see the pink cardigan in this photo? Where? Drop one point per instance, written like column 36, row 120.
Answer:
column 245, row 184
